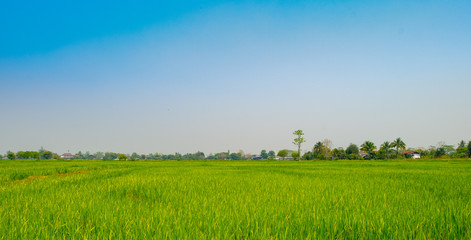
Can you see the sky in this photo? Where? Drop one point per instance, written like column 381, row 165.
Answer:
column 211, row 76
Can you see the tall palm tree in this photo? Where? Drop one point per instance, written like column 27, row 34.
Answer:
column 368, row 147
column 318, row 148
column 386, row 146
column 398, row 143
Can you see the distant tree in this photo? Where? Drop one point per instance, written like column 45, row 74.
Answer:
column 295, row 155
column 321, row 150
column 318, row 148
column 298, row 141
column 21, row 155
column 461, row 150
column 440, row 152
column 110, row 156
column 308, row 156
column 99, row 155
column 235, row 156
column 134, row 156
column 449, row 149
column 352, row 149
column 46, row 154
column 11, row 155
column 338, row 153
column 199, row 155
column 271, row 154
column 282, row 153
column 469, row 149
column 41, row 150
column 385, row 147
column 33, row 155
column 79, row 155
column 122, row 157
column 398, row 144
column 143, row 157
column 264, row 154
column 369, row 147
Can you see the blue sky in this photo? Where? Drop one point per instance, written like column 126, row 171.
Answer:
column 183, row 76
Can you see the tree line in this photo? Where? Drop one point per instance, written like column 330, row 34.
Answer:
column 395, row 149
column 322, row 150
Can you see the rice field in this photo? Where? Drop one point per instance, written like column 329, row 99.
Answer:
column 235, row 200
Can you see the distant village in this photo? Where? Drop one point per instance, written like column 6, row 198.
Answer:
column 320, row 151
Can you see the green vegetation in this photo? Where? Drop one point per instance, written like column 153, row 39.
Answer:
column 321, row 151
column 235, row 199
column 298, row 141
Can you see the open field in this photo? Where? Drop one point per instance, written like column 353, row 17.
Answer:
column 235, row 199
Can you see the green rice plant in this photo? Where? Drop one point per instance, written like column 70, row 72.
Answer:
column 237, row 200
column 62, row 170
column 18, row 175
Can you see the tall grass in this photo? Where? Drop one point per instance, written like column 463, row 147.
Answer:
column 246, row 199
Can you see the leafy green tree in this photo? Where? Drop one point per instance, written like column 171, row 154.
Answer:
column 11, row 155
column 318, row 148
column 264, row 154
column 398, row 144
column 440, row 152
column 295, row 155
column 321, row 150
column 271, row 154
column 338, row 153
column 41, row 150
column 282, row 153
column 461, row 150
column 352, row 149
column 385, row 147
column 110, row 156
column 308, row 156
column 32, row 155
column 122, row 157
column 200, row 155
column 46, row 154
column 134, row 156
column 21, row 155
column 298, row 140
column 449, row 149
column 352, row 152
column 369, row 147
column 236, row 156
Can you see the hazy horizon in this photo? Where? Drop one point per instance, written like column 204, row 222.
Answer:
column 184, row 76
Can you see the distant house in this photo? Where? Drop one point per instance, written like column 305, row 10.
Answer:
column 412, row 154
column 363, row 154
column 67, row 156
